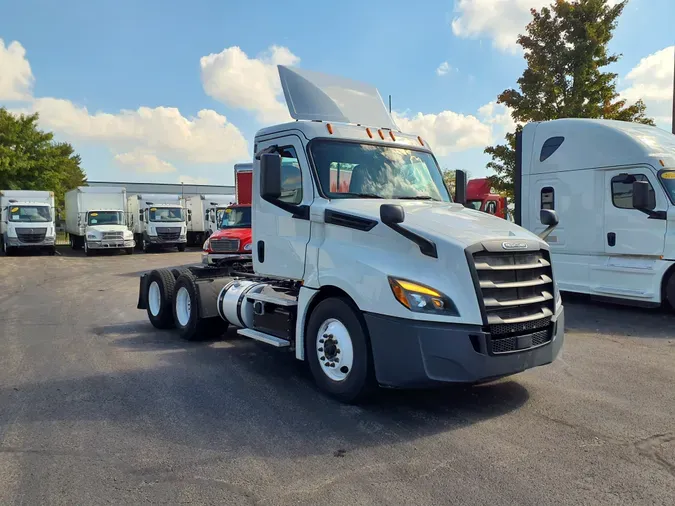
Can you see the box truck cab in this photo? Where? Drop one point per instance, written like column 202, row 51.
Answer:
column 27, row 221
column 234, row 236
column 95, row 219
column 612, row 184
column 382, row 281
column 157, row 221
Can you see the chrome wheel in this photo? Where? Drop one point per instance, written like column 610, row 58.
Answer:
column 154, row 298
column 335, row 349
column 183, row 306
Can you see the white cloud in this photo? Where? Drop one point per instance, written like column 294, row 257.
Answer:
column 498, row 116
column 446, row 131
column 162, row 132
column 443, row 68
column 16, row 77
column 652, row 81
column 238, row 81
column 142, row 161
column 499, row 20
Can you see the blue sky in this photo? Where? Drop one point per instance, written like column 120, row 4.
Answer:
column 126, row 55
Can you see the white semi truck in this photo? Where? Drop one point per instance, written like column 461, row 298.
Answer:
column 27, row 221
column 202, row 211
column 612, row 184
column 95, row 219
column 157, row 221
column 383, row 280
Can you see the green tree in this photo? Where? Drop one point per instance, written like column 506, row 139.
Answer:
column 566, row 51
column 30, row 159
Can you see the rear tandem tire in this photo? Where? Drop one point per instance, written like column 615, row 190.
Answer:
column 186, row 313
column 359, row 383
column 160, row 299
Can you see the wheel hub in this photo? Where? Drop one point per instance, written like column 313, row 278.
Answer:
column 334, row 349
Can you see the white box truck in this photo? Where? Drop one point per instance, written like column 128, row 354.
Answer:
column 27, row 221
column 157, row 220
column 95, row 219
column 202, row 211
column 383, row 280
column 612, row 184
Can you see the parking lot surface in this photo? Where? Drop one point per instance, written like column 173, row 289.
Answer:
column 98, row 407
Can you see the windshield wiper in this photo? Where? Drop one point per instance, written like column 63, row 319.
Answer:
column 364, row 195
column 416, row 197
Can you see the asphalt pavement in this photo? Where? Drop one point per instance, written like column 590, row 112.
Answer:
column 97, row 407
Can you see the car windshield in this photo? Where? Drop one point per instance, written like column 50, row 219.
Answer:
column 166, row 214
column 236, row 217
column 475, row 204
column 351, row 170
column 105, row 218
column 668, row 180
column 23, row 214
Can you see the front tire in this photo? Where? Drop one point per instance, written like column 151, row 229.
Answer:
column 670, row 291
column 7, row 250
column 88, row 252
column 186, row 313
column 181, row 247
column 338, row 351
column 129, row 251
column 160, row 299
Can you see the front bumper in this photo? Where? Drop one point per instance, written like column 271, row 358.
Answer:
column 214, row 259
column 14, row 242
column 153, row 239
column 410, row 353
column 111, row 244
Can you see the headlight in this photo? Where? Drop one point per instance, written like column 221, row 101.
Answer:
column 128, row 234
column 207, row 245
column 422, row 299
column 556, row 294
column 248, row 247
column 92, row 237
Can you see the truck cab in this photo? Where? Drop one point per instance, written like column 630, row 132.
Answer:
column 158, row 221
column 106, row 229
column 233, row 238
column 481, row 196
column 612, row 184
column 380, row 278
column 27, row 221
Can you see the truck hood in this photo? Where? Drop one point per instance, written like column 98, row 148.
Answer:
column 439, row 220
column 33, row 224
column 107, row 228
column 242, row 234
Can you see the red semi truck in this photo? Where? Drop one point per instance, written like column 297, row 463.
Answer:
column 480, row 196
column 233, row 237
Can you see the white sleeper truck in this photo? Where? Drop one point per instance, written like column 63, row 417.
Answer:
column 27, row 221
column 157, row 221
column 202, row 211
column 612, row 184
column 378, row 280
column 95, row 219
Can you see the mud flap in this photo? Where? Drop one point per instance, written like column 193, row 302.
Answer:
column 143, row 292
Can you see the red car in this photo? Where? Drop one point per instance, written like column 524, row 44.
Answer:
column 233, row 237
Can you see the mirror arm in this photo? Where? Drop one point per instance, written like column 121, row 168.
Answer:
column 654, row 215
column 543, row 235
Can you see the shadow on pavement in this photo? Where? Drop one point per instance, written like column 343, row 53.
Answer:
column 241, row 397
column 584, row 315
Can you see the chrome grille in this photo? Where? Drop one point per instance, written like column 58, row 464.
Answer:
column 31, row 235
column 225, row 245
column 113, row 236
column 517, row 292
column 168, row 233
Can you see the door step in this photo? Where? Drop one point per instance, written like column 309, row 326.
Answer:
column 265, row 338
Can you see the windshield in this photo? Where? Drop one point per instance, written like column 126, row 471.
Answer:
column 668, row 180
column 166, row 214
column 236, row 217
column 22, row 214
column 351, row 170
column 220, row 211
column 475, row 204
column 104, row 218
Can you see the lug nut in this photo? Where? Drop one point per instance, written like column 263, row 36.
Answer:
column 323, row 358
column 327, row 364
column 320, row 349
column 321, row 341
column 336, row 359
column 337, row 350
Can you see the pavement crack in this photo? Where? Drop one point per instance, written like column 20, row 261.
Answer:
column 650, row 446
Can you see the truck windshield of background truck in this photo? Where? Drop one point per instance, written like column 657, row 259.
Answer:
column 352, row 170
column 166, row 214
column 475, row 204
column 236, row 217
column 668, row 180
column 23, row 214
column 105, row 218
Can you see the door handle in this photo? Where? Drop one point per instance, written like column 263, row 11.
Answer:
column 261, row 251
column 611, row 239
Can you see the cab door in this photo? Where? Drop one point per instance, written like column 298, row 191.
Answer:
column 629, row 231
column 279, row 237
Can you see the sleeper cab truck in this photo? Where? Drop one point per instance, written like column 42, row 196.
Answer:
column 612, row 184
column 383, row 282
column 27, row 221
column 157, row 221
column 95, row 220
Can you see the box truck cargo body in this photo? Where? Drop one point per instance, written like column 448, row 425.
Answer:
column 27, row 221
column 95, row 219
column 201, row 214
column 157, row 220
